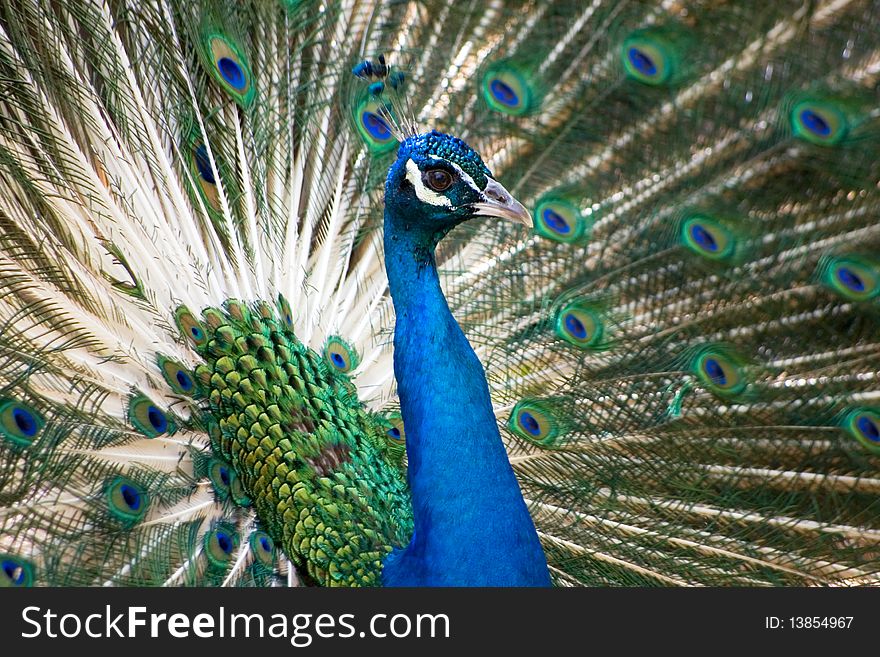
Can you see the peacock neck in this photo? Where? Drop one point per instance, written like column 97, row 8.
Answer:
column 471, row 525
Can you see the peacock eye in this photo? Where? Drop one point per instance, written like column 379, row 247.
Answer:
column 438, row 179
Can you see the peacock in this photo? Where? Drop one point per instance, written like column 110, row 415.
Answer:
column 434, row 293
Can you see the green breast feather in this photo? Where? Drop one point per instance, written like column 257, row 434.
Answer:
column 324, row 481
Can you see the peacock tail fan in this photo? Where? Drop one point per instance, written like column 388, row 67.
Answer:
column 196, row 381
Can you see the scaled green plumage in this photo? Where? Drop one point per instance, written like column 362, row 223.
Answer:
column 309, row 456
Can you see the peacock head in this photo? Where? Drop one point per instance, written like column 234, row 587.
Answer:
column 437, row 182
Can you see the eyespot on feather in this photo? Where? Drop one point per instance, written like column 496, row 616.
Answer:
column 204, row 176
column 126, row 500
column 819, row 121
column 533, row 421
column 340, row 355
column 395, row 433
column 650, row 57
column 220, row 545
column 853, row 277
column 262, row 548
column 373, row 127
column 15, row 572
column 180, row 379
column 221, row 475
column 863, row 424
column 148, row 418
column 559, row 219
column 191, row 328
column 507, row 88
column 720, row 370
column 580, row 324
column 228, row 65
column 708, row 238
column 239, row 495
column 19, row 423
column 285, row 312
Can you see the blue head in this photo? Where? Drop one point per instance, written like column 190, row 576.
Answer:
column 437, row 182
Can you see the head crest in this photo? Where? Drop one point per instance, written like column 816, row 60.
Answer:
column 386, row 88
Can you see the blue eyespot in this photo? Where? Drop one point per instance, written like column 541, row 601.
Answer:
column 176, row 375
column 703, row 238
column 575, row 326
column 863, row 424
column 581, row 324
column 710, row 238
column 715, row 372
column 205, row 177
column 558, row 217
column 127, row 501
column 373, row 121
column 850, row 279
column 651, row 56
column 225, row 482
column 148, row 418
column 641, row 62
column 203, row 164
column 263, row 549
column 19, row 423
column 533, row 421
column 868, row 428
column 721, row 370
column 190, row 327
column 815, row 123
column 821, row 121
column 375, row 125
column 157, row 419
column 220, row 543
column 184, row 380
column 25, row 421
column 395, row 433
column 131, row 496
column 507, row 87
column 224, row 541
column 555, row 221
column 229, row 67
column 529, row 423
column 855, row 277
column 15, row 571
column 231, row 72
column 340, row 355
column 503, row 93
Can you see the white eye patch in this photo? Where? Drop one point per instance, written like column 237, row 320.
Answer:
column 424, row 194
column 427, row 195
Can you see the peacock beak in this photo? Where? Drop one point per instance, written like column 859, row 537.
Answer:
column 500, row 203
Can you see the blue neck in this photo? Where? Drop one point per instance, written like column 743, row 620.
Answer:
column 472, row 527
